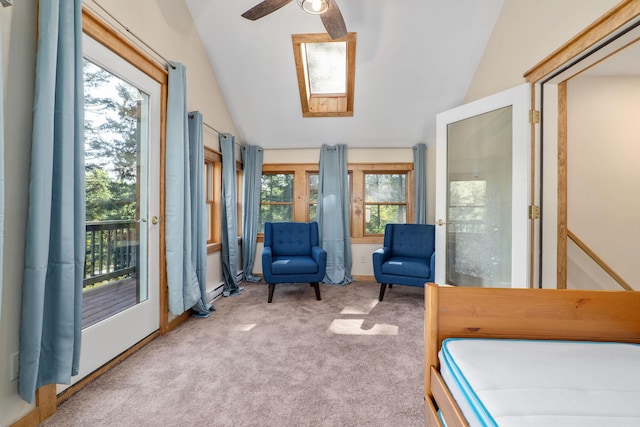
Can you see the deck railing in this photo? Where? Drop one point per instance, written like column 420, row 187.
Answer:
column 111, row 251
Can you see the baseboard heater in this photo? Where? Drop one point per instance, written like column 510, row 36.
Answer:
column 216, row 292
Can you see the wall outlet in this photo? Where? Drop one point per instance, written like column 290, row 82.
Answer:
column 363, row 259
column 15, row 365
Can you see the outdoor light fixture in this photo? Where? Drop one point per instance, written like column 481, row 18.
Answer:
column 314, row 7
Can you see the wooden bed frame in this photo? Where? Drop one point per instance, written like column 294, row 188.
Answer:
column 517, row 313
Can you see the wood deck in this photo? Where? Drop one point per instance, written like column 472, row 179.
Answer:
column 105, row 301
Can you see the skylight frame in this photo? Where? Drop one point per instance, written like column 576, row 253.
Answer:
column 324, row 105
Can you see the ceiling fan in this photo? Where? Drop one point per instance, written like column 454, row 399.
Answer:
column 327, row 9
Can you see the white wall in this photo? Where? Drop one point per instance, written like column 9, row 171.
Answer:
column 526, row 33
column 18, row 64
column 165, row 25
column 603, row 175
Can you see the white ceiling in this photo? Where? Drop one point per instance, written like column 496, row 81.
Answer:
column 415, row 58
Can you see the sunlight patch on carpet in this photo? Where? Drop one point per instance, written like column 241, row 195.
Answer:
column 243, row 327
column 361, row 308
column 354, row 327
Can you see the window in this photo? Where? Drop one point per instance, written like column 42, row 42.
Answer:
column 379, row 193
column 239, row 189
column 382, row 193
column 276, row 198
column 213, row 188
column 385, row 200
column 313, row 179
column 326, row 74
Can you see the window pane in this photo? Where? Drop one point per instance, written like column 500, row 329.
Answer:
column 209, row 181
column 385, row 188
column 209, row 218
column 277, row 188
column 378, row 216
column 327, row 65
column 313, row 213
column 313, row 188
column 275, row 213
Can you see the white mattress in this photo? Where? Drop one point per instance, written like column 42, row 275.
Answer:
column 543, row 383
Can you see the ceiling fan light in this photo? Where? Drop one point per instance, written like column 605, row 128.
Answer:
column 314, row 7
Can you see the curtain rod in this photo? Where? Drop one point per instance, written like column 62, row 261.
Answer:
column 207, row 125
column 167, row 63
column 212, row 128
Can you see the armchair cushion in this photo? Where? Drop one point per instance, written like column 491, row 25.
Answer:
column 294, row 265
column 407, row 266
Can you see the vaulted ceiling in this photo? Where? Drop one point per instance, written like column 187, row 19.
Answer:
column 415, row 58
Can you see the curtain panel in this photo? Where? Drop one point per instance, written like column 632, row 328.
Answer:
column 420, row 180
column 252, row 175
column 333, row 213
column 182, row 275
column 199, row 226
column 51, row 319
column 229, row 215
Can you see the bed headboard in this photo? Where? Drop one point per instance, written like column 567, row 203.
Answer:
column 528, row 314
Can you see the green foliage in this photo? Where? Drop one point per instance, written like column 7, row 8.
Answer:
column 276, row 198
column 112, row 132
column 378, row 216
column 385, row 195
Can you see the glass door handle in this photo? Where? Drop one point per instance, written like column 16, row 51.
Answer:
column 155, row 219
column 440, row 222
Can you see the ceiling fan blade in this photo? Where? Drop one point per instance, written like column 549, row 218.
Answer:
column 264, row 8
column 333, row 21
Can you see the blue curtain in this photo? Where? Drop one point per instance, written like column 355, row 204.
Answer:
column 51, row 319
column 199, row 226
column 252, row 175
column 1, row 176
column 182, row 276
column 229, row 215
column 420, row 179
column 333, row 213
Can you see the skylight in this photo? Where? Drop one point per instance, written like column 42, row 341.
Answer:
column 327, row 67
column 326, row 72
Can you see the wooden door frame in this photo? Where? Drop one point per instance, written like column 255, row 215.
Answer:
column 46, row 396
column 594, row 35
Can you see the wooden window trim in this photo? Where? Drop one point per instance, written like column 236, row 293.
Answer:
column 357, row 171
column 239, row 192
column 214, row 205
column 358, row 234
column 325, row 105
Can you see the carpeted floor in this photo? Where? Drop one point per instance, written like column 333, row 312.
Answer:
column 347, row 360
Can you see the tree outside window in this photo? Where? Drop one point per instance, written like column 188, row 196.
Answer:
column 276, row 198
column 313, row 179
column 385, row 201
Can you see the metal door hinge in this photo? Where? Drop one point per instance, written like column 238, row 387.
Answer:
column 534, row 116
column 534, row 212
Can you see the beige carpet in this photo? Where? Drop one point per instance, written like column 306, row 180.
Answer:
column 347, row 360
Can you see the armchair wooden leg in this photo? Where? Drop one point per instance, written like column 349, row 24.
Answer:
column 316, row 286
column 271, row 289
column 383, row 287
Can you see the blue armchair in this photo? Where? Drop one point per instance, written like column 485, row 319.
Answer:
column 292, row 254
column 407, row 257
